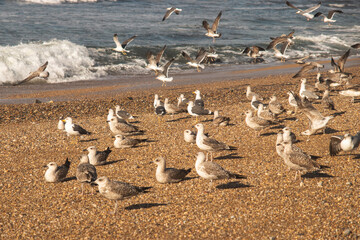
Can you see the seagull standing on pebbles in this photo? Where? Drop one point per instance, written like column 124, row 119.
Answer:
column 169, row 175
column 304, row 93
column 61, row 125
column 346, row 143
column 250, row 94
column 275, row 106
column 220, row 120
column 122, row 128
column 85, row 172
column 211, row 170
column 97, row 157
column 74, row 129
column 326, row 101
column 198, row 100
column 350, row 93
column 56, row 173
column 266, row 114
column 195, row 110
column 208, row 144
column 125, row 142
column 120, row 47
column 255, row 122
column 116, row 190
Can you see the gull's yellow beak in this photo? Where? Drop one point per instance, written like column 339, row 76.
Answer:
column 63, row 120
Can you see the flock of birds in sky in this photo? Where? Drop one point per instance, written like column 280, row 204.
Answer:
column 259, row 117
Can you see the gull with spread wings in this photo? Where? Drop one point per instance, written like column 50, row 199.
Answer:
column 212, row 31
column 306, row 13
column 120, row 47
column 40, row 72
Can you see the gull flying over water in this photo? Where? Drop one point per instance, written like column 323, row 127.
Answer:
column 164, row 74
column 212, row 31
column 329, row 18
column 308, row 67
column 120, row 47
column 339, row 65
column 197, row 61
column 306, row 13
column 170, row 11
column 40, row 72
column 155, row 61
column 285, row 40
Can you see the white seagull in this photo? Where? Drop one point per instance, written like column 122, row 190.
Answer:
column 120, row 47
column 306, row 13
column 164, row 74
column 329, row 18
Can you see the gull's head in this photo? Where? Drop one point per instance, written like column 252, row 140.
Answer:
column 159, row 160
column 279, row 137
column 91, row 149
column 199, row 126
column 68, row 120
column 52, row 165
column 113, row 120
column 188, row 132
column 111, row 111
column 303, row 80
column 156, row 97
column 286, row 129
column 102, row 181
column 166, row 101
column 216, row 113
column 197, row 92
column 119, row 137
column 249, row 113
column 306, row 133
column 117, row 107
column 273, row 98
column 200, row 157
column 84, row 159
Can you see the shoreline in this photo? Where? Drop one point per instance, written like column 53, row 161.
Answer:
column 70, row 91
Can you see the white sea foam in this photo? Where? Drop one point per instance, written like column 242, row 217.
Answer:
column 67, row 61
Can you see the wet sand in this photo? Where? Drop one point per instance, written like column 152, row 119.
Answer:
column 265, row 204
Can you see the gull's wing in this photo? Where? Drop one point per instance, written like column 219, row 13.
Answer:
column 167, row 65
column 332, row 12
column 186, row 56
column 34, row 74
column 356, row 45
column 168, row 13
column 216, row 22
column 206, row 25
column 334, row 146
column 292, row 6
column 342, row 60
column 334, row 64
column 276, row 41
column 290, row 35
column 201, row 55
column 306, row 68
column 150, row 57
column 257, row 49
column 159, row 55
column 43, row 67
column 309, row 10
column 126, row 42
column 116, row 40
column 284, row 47
column 246, row 50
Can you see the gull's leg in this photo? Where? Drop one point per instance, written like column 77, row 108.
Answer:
column 116, row 203
column 296, row 175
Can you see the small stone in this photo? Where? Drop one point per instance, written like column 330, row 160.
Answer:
column 349, row 183
column 320, row 184
column 346, row 232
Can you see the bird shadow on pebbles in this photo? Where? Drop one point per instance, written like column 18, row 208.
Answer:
column 232, row 185
column 68, row 179
column 316, row 175
column 229, row 156
column 88, row 140
column 144, row 206
column 357, row 156
column 290, row 119
column 268, row 134
column 112, row 162
column 177, row 119
column 339, row 113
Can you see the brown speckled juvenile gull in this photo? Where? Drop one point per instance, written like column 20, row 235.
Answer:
column 122, row 128
column 210, row 170
column 266, row 114
column 153, row 62
column 298, row 161
column 170, row 11
column 304, row 93
column 288, row 136
column 169, row 175
column 120, row 47
column 208, row 144
column 85, row 172
column 197, row 61
column 171, row 108
column 40, row 72
column 292, row 100
column 308, row 67
column 255, row 122
column 220, row 120
column 339, row 65
column 126, row 142
column 97, row 157
column 189, row 136
column 116, row 190
column 275, row 106
column 56, row 173
column 212, row 31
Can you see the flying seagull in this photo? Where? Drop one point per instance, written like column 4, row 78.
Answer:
column 197, row 61
column 155, row 60
column 340, row 63
column 171, row 11
column 285, row 40
column 308, row 67
column 120, row 47
column 356, row 46
column 329, row 17
column 344, row 143
column 212, row 31
column 40, row 72
column 253, row 52
column 306, row 13
column 164, row 74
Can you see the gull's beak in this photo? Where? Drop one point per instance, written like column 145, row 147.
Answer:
column 63, row 120
column 107, row 121
column 84, row 150
column 44, row 166
column 151, row 162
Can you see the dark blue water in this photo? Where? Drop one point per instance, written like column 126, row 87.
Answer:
column 76, row 38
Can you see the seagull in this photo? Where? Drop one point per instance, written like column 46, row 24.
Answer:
column 116, row 190
column 288, row 136
column 253, row 52
column 125, row 142
column 329, row 18
column 122, row 114
column 56, row 173
column 171, row 108
column 122, row 128
column 169, row 175
column 306, row 93
column 220, row 120
column 339, row 65
column 198, row 100
column 120, row 47
column 350, row 93
column 197, row 61
column 111, row 114
column 74, row 129
column 308, row 67
column 344, row 143
column 275, row 106
column 155, row 61
column 156, row 102
column 208, row 144
column 211, row 55
column 160, row 109
column 250, row 94
column 170, row 11
column 40, row 72
column 301, row 60
column 212, row 32
column 164, row 74
column 97, row 157
column 189, row 136
column 266, row 114
column 61, row 125
column 85, row 172
column 326, row 101
column 292, row 100
column 255, row 122
column 285, row 40
column 211, row 170
column 255, row 103
column 306, row 13
column 182, row 103
column 356, row 46
column 196, row 111
column 298, row 161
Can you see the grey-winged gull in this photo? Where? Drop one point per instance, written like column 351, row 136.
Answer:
column 85, row 172
column 164, row 74
column 212, row 31
column 154, row 61
column 346, row 143
column 170, row 11
column 126, row 142
column 197, row 61
column 56, row 173
column 74, row 129
column 120, row 47
column 169, row 175
column 195, row 110
column 328, row 18
column 97, row 157
column 307, row 12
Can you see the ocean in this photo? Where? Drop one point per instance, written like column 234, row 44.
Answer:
column 76, row 36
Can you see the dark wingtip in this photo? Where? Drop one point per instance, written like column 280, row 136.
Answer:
column 67, row 163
